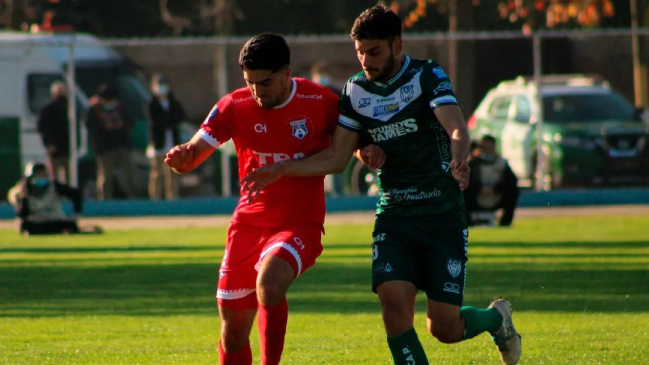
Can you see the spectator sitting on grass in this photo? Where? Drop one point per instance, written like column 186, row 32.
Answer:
column 38, row 204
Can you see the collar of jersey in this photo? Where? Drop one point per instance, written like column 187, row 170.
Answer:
column 294, row 84
column 396, row 77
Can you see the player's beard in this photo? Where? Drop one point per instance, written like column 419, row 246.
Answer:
column 384, row 72
column 271, row 103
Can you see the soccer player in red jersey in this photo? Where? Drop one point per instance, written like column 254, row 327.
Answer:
column 274, row 239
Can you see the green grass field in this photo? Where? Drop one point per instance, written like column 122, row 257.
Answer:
column 579, row 287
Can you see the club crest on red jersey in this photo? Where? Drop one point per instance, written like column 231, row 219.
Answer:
column 299, row 129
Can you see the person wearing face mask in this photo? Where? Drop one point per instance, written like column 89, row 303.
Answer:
column 38, row 203
column 53, row 128
column 109, row 129
column 493, row 185
column 165, row 113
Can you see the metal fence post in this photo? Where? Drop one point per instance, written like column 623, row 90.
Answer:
column 540, row 159
column 72, row 116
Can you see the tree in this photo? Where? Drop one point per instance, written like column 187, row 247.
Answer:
column 525, row 15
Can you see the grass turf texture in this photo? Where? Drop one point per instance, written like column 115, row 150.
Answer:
column 579, row 285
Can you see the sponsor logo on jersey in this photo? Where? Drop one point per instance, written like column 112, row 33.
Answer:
column 454, row 267
column 388, row 99
column 439, row 72
column 443, row 87
column 241, row 100
column 444, row 146
column 312, row 96
column 266, row 158
column 393, row 130
column 299, row 129
column 407, row 93
column 362, row 103
column 411, row 194
column 385, row 109
column 261, row 128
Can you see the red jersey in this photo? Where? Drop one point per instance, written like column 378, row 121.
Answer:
column 300, row 127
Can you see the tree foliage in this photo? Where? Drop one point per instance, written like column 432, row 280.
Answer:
column 118, row 18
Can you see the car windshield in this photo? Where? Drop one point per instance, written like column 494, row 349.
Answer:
column 595, row 107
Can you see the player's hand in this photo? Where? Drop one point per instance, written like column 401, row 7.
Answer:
column 461, row 171
column 180, row 157
column 373, row 156
column 261, row 177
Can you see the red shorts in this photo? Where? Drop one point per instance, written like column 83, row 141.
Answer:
column 245, row 248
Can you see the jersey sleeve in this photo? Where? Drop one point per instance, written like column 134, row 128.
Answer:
column 436, row 86
column 349, row 118
column 219, row 124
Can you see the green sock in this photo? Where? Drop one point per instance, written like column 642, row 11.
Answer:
column 477, row 321
column 407, row 350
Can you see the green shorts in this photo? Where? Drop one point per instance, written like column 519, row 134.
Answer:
column 429, row 251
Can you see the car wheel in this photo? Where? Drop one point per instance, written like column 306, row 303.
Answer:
column 550, row 179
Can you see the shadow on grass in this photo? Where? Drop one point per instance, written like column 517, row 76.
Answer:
column 165, row 289
column 106, row 249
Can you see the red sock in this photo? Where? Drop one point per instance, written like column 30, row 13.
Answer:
column 272, row 321
column 240, row 357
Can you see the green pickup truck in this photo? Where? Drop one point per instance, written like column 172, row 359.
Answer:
column 590, row 134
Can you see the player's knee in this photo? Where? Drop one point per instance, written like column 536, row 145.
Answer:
column 396, row 313
column 270, row 293
column 275, row 277
column 233, row 338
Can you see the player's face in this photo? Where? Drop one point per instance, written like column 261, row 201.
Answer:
column 269, row 89
column 379, row 57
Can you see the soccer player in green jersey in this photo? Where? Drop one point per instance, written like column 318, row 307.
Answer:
column 408, row 108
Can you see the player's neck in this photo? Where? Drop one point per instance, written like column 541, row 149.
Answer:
column 287, row 93
column 396, row 68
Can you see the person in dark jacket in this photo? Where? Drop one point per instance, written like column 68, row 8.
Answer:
column 165, row 115
column 109, row 129
column 54, row 130
column 492, row 185
column 38, row 201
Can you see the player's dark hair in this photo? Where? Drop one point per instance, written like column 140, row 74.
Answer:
column 266, row 51
column 377, row 22
column 37, row 167
column 107, row 91
column 490, row 138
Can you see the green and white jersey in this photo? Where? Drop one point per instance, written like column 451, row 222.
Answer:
column 399, row 118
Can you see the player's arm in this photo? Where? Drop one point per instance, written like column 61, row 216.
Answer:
column 332, row 160
column 437, row 87
column 186, row 157
column 450, row 117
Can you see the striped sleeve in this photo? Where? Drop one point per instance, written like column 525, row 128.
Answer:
column 436, row 86
column 348, row 117
column 217, row 127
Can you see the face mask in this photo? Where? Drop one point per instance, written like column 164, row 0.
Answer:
column 41, row 182
column 487, row 158
column 324, row 80
column 163, row 89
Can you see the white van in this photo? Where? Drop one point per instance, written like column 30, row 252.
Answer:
column 29, row 64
